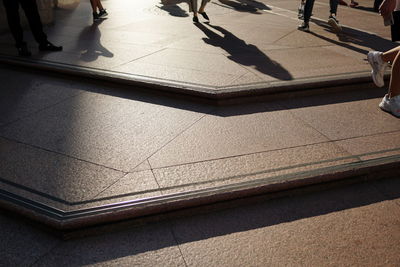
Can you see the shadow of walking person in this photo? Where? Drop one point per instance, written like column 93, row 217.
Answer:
column 174, row 10
column 243, row 53
column 354, row 39
column 238, row 6
column 90, row 45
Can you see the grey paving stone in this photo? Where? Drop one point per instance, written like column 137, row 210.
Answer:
column 114, row 132
column 22, row 244
column 353, row 226
column 266, row 166
column 146, row 246
column 52, row 175
column 24, row 94
column 373, row 147
column 237, row 130
column 341, row 116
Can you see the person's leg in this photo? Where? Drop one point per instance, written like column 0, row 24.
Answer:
column 193, row 8
column 203, row 5
column 94, row 5
column 13, row 20
column 332, row 20
column 379, row 62
column 99, row 5
column 308, row 7
column 202, row 8
column 333, row 4
column 32, row 14
column 393, row 56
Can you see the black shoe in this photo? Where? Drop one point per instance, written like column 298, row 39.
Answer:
column 23, row 50
column 103, row 13
column 96, row 16
column 195, row 19
column 204, row 14
column 305, row 27
column 49, row 47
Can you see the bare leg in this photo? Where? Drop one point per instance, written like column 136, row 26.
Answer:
column 393, row 57
column 99, row 5
column 96, row 4
column 394, row 85
column 390, row 55
column 93, row 4
column 203, row 6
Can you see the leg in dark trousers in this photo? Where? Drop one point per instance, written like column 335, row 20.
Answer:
column 32, row 14
column 333, row 6
column 308, row 8
column 13, row 19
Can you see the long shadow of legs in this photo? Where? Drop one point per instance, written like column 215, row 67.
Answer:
column 239, row 6
column 351, row 37
column 174, row 10
column 243, row 53
column 92, row 48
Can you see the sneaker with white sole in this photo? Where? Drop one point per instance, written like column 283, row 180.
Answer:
column 305, row 27
column 334, row 23
column 391, row 105
column 378, row 67
column 300, row 14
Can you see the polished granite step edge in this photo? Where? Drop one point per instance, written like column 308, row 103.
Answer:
column 224, row 93
column 386, row 167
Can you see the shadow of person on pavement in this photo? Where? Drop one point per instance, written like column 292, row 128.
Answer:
column 171, row 6
column 352, row 39
column 243, row 53
column 241, row 6
column 174, row 10
column 90, row 45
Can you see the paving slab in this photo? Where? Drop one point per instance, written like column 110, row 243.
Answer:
column 311, row 230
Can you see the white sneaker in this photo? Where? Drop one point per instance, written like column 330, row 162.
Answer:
column 378, row 67
column 334, row 23
column 391, row 105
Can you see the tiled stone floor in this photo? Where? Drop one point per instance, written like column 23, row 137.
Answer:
column 355, row 225
column 247, row 42
column 75, row 145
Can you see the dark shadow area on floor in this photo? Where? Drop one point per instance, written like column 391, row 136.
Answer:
column 350, row 37
column 366, row 8
column 253, row 7
column 243, row 53
column 92, row 49
column 89, row 44
column 288, row 209
column 174, row 10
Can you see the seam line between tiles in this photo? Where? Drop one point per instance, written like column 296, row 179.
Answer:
column 177, row 243
column 40, row 110
column 122, row 64
column 265, row 151
column 179, row 134
column 62, row 154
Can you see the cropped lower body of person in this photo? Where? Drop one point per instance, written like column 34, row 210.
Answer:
column 32, row 14
column 307, row 13
column 193, row 8
column 379, row 62
column 96, row 5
